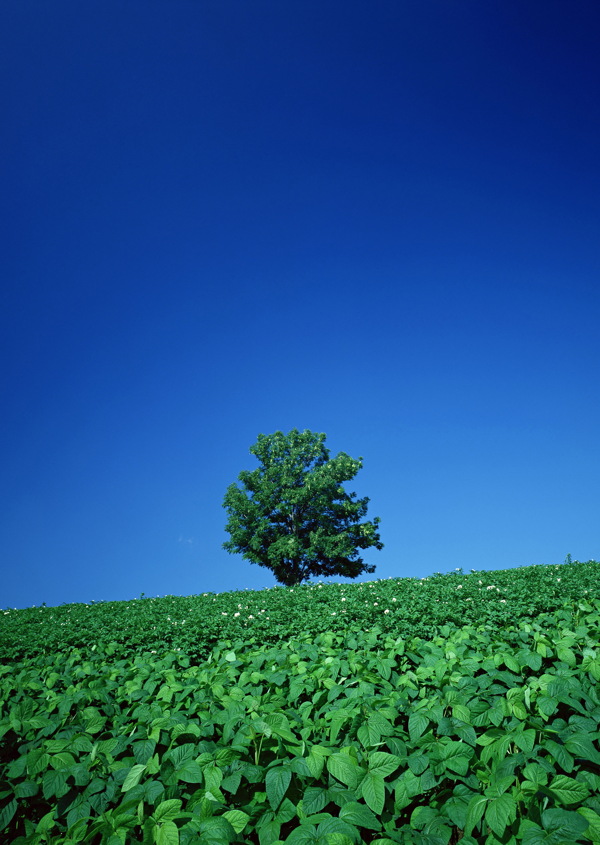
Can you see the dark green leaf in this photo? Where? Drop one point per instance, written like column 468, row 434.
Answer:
column 7, row 813
column 277, row 782
column 373, row 791
column 359, row 815
column 564, row 823
column 568, row 790
column 501, row 812
column 344, row 769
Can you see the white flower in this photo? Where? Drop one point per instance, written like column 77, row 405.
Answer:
column 344, row 599
column 386, row 611
column 459, row 587
column 394, row 599
column 491, row 587
column 502, row 601
column 236, row 614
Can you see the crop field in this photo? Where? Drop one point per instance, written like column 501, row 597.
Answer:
column 460, row 708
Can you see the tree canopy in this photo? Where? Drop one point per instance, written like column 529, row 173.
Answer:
column 292, row 514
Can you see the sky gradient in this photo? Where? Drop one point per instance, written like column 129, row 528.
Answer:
column 377, row 220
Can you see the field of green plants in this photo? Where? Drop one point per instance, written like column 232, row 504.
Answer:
column 459, row 708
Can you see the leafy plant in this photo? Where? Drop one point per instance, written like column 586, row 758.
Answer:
column 485, row 732
column 292, row 515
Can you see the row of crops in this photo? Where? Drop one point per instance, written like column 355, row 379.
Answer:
column 196, row 624
column 446, row 719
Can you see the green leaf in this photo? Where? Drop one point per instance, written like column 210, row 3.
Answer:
column 26, row 789
column 581, row 745
column 287, row 811
column 453, row 755
column 379, row 725
column 422, row 816
column 316, row 760
column 167, row 810
column 95, row 725
column 301, row 835
column 466, row 733
column 568, row 790
column 373, row 791
column 152, row 789
column 54, row 784
column 166, row 833
column 314, row 799
column 500, row 813
column 279, row 724
column 213, row 778
column 564, row 823
column 338, row 838
column 216, row 830
column 417, row 724
column 237, row 819
column 531, row 659
column 533, row 834
column 7, row 813
column 547, row 704
column 593, row 818
column 567, row 655
column 143, row 750
column 337, row 827
column 133, row 777
column 359, row 815
column 344, row 769
column 536, row 773
column 525, row 740
column 277, row 782
column 475, row 812
column 62, row 760
column 268, row 833
column 190, row 772
column 560, row 754
column 181, row 753
column 511, row 663
column 77, row 813
column 382, row 763
column 35, row 762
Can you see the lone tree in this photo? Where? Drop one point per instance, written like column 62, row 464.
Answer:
column 293, row 516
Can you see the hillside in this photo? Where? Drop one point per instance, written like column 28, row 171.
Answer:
column 457, row 708
column 403, row 606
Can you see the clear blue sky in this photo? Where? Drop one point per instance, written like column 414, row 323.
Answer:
column 377, row 220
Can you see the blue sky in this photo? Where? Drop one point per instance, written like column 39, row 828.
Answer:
column 377, row 220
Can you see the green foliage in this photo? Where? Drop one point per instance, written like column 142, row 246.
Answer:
column 477, row 733
column 292, row 515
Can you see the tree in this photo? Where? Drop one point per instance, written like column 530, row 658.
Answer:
column 292, row 515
